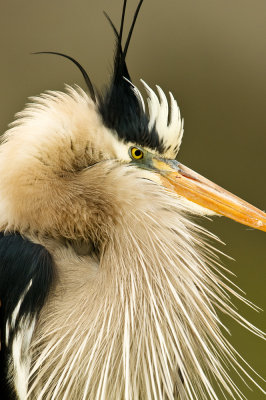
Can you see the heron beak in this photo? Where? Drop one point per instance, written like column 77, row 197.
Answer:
column 194, row 187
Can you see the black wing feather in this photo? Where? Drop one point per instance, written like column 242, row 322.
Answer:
column 23, row 265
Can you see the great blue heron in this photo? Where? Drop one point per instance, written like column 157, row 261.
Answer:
column 109, row 289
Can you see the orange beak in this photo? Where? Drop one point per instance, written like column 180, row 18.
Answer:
column 194, row 187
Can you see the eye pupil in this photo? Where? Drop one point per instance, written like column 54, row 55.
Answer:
column 137, row 153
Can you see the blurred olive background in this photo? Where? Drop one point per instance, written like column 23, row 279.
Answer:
column 211, row 54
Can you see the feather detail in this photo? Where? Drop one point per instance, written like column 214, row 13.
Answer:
column 144, row 322
column 170, row 126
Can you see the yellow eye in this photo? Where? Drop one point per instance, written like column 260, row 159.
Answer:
column 136, row 153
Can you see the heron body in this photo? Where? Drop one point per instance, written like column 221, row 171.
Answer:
column 109, row 289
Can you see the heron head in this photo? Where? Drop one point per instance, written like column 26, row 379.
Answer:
column 152, row 142
column 152, row 139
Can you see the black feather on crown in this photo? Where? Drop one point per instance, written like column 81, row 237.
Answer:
column 120, row 107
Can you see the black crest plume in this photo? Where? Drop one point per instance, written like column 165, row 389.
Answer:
column 120, row 107
column 82, row 70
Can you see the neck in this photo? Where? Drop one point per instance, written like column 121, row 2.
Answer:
column 143, row 323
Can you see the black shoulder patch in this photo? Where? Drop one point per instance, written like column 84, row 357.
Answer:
column 26, row 274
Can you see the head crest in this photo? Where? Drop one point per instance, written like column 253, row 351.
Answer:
column 121, row 107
